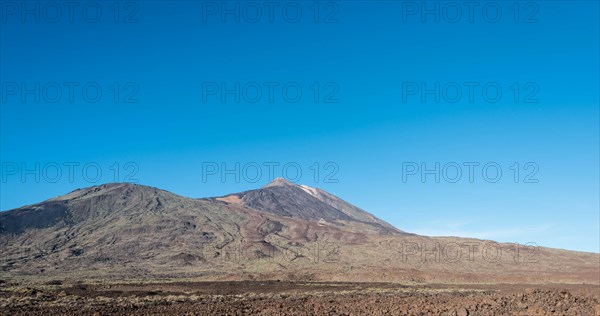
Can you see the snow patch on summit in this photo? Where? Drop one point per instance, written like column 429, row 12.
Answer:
column 309, row 190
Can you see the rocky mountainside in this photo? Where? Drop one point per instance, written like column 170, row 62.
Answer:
column 280, row 231
column 283, row 198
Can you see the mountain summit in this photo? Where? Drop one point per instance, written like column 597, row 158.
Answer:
column 284, row 198
column 279, row 182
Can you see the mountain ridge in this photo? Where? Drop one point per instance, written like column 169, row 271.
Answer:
column 279, row 231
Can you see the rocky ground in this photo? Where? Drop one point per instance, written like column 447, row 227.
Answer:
column 296, row 298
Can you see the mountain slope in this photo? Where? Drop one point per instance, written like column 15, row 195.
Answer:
column 280, row 231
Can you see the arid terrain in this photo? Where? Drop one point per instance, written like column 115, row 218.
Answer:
column 297, row 298
column 128, row 249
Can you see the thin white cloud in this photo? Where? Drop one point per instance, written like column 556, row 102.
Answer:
column 466, row 230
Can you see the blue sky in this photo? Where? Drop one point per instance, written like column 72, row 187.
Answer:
column 363, row 60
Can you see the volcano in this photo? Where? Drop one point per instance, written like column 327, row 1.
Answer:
column 280, row 231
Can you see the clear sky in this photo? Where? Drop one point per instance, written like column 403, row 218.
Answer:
column 367, row 128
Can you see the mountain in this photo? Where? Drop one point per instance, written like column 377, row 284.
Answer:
column 279, row 231
column 283, row 198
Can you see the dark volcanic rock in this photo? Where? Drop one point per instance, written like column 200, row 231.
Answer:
column 36, row 216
